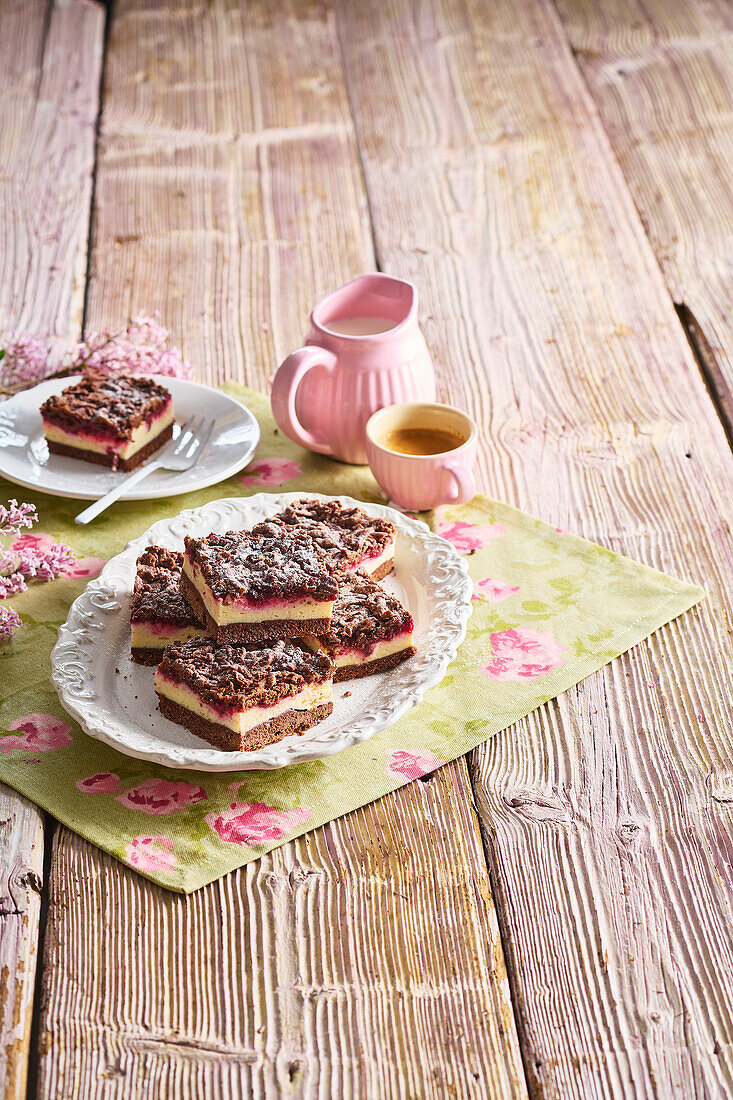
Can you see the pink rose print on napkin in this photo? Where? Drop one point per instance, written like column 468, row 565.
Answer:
column 33, row 542
column 469, row 536
column 254, row 823
column 404, row 764
column 85, row 567
column 38, row 733
column 101, row 783
column 522, row 653
column 493, row 591
column 159, row 796
column 270, row 471
column 151, row 853
column 79, row 567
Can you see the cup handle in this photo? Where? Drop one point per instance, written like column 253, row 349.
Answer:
column 285, row 384
column 464, row 484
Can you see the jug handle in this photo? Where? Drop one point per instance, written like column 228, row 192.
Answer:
column 464, row 483
column 285, row 384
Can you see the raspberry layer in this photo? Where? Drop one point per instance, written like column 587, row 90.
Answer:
column 96, row 443
column 224, row 613
column 242, row 720
column 349, row 663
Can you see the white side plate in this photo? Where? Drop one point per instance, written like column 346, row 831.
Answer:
column 113, row 698
column 26, row 460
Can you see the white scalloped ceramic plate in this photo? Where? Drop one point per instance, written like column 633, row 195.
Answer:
column 25, row 458
column 119, row 707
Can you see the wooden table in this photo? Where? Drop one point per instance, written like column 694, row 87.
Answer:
column 550, row 916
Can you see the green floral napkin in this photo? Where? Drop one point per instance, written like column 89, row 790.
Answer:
column 549, row 608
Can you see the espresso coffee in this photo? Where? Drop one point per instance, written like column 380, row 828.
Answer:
column 421, row 441
column 360, row 326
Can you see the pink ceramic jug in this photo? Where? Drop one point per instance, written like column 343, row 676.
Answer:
column 364, row 351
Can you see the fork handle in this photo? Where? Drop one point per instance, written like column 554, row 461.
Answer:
column 99, row 506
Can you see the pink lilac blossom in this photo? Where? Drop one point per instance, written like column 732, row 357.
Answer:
column 151, row 853
column 23, row 360
column 253, row 823
column 39, row 732
column 522, row 653
column 159, row 796
column 9, row 621
column 76, row 567
column 36, row 556
column 271, row 471
column 142, row 348
column 467, row 537
column 493, row 591
column 101, row 783
column 406, row 764
column 45, row 565
column 11, row 585
column 16, row 516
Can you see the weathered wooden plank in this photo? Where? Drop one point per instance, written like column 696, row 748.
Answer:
column 362, row 959
column 49, row 88
column 50, row 61
column 661, row 75
column 21, row 881
column 492, row 184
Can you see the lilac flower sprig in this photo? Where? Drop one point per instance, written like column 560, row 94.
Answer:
column 23, row 361
column 9, row 621
column 19, row 563
column 141, row 348
column 16, row 516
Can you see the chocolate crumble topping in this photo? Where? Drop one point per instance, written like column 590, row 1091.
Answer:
column 344, row 535
column 236, row 677
column 261, row 568
column 155, row 597
column 363, row 614
column 112, row 406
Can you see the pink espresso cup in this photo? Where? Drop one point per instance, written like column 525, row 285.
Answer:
column 421, row 481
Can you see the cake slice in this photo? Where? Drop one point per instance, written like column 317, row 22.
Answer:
column 116, row 421
column 159, row 615
column 370, row 629
column 348, row 537
column 239, row 698
column 247, row 587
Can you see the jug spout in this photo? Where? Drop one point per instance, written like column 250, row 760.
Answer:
column 371, row 298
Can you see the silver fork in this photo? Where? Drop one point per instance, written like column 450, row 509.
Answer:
column 180, row 454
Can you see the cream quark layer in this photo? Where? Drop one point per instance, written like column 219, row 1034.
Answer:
column 239, row 611
column 141, row 436
column 345, row 657
column 156, row 636
column 312, row 695
column 370, row 565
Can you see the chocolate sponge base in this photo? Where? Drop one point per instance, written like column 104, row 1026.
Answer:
column 267, row 733
column 123, row 464
column 235, row 633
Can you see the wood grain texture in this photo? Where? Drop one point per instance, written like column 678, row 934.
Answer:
column 661, row 74
column 49, row 89
column 229, row 194
column 606, row 813
column 21, row 882
column 50, row 61
column 363, row 959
